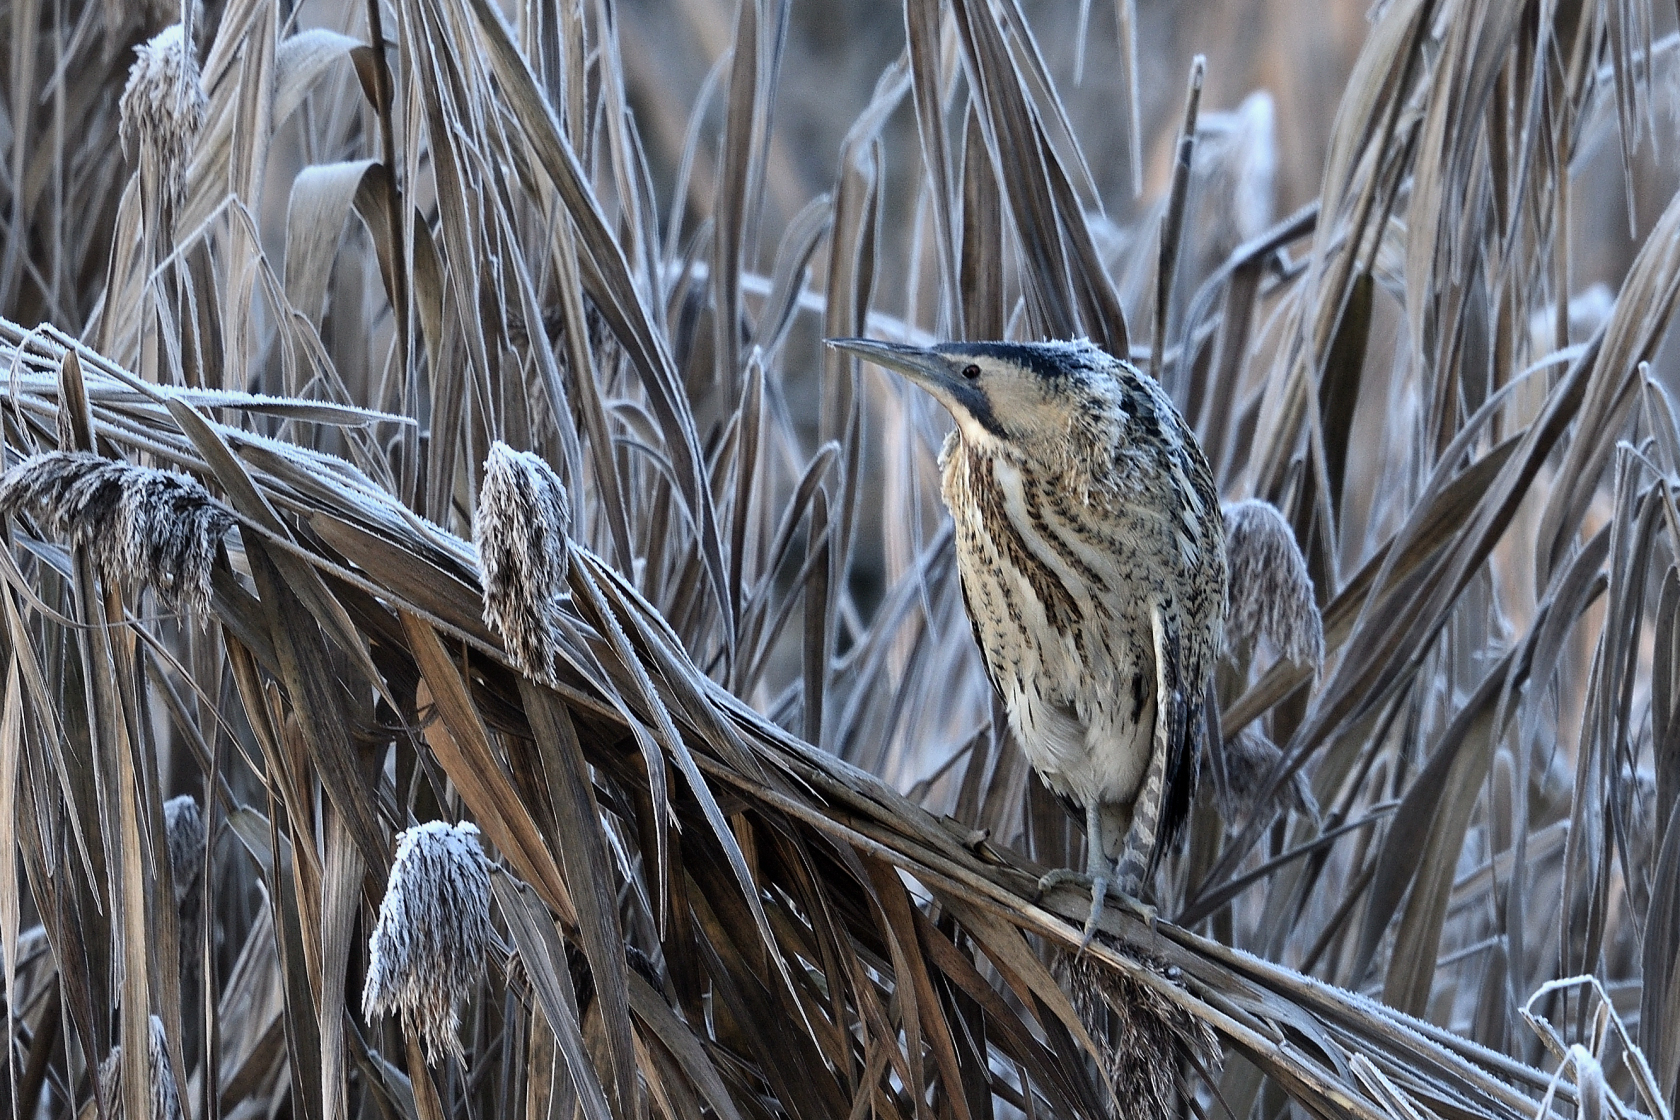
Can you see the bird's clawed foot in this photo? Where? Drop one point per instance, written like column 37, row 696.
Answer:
column 1102, row 889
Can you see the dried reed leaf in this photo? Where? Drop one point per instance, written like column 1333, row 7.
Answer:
column 608, row 280
column 542, row 956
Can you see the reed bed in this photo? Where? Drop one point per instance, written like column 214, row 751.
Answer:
column 470, row 651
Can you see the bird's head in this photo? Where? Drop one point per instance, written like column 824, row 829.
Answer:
column 1019, row 393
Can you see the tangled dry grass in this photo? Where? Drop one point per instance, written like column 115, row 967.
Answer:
column 436, row 434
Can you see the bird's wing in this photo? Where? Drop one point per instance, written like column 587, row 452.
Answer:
column 1183, row 758
column 974, row 628
column 1163, row 804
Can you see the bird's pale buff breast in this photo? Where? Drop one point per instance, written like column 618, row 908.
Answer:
column 1061, row 605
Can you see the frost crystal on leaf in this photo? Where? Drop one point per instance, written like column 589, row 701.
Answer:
column 160, row 528
column 432, row 939
column 1271, row 592
column 520, row 530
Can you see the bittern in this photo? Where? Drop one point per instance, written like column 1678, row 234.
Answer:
column 1092, row 557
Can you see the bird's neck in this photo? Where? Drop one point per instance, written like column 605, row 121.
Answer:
column 1058, row 464
column 971, row 470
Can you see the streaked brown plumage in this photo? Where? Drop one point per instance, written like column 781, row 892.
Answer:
column 1091, row 550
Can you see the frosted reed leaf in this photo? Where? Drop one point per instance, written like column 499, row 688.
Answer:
column 1250, row 760
column 1142, row 1037
column 1271, row 593
column 1588, row 310
column 137, row 523
column 520, row 529
column 432, row 938
column 1645, row 818
column 163, row 108
column 165, row 1096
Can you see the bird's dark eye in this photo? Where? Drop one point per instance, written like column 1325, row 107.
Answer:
column 971, row 372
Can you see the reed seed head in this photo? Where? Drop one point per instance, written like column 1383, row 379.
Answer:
column 1236, row 161
column 166, row 1098
column 160, row 528
column 1250, row 760
column 520, row 529
column 432, row 939
column 184, row 828
column 184, row 825
column 163, row 106
column 1271, row 593
column 1141, row 1036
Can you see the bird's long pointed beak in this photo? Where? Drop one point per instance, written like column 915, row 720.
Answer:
column 920, row 365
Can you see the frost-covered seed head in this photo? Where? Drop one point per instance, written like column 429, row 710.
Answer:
column 136, row 522
column 1142, row 1037
column 520, row 529
column 432, row 939
column 163, row 107
column 1271, row 592
column 184, row 827
column 165, row 1097
column 110, row 1082
column 1250, row 759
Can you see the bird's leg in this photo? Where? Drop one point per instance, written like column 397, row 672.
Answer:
column 1121, row 881
column 1128, row 886
column 1096, row 866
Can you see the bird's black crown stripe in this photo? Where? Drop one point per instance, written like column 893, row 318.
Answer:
column 1053, row 363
